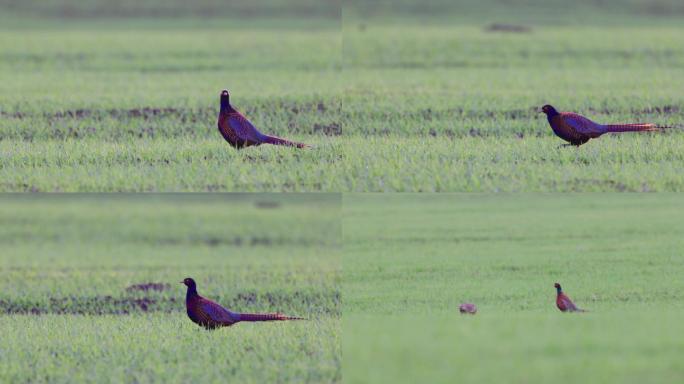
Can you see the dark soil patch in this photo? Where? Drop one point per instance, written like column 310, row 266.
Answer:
column 304, row 107
column 145, row 113
column 578, row 185
column 98, row 305
column 459, row 113
column 333, row 129
column 656, row 110
column 263, row 204
column 238, row 241
column 508, row 28
column 144, row 287
column 327, row 302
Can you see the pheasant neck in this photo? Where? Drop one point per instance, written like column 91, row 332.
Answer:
column 227, row 109
column 191, row 294
column 559, row 290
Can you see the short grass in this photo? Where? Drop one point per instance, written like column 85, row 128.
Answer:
column 127, row 101
column 410, row 260
column 91, row 292
column 447, row 104
column 86, row 93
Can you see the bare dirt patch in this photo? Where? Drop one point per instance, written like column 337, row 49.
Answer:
column 508, row 28
column 333, row 129
column 321, row 302
column 264, row 204
column 144, row 287
column 579, row 185
column 96, row 305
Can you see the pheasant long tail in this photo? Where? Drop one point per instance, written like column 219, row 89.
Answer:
column 278, row 141
column 631, row 127
column 267, row 317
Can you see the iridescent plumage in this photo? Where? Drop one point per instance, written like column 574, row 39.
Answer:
column 577, row 129
column 240, row 133
column 211, row 315
column 563, row 302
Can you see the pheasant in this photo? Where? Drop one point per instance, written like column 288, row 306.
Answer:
column 577, row 129
column 467, row 308
column 563, row 302
column 240, row 133
column 211, row 315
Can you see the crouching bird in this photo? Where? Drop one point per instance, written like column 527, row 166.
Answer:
column 577, row 129
column 211, row 315
column 468, row 308
column 563, row 302
column 240, row 133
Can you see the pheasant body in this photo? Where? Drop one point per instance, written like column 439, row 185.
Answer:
column 563, row 302
column 577, row 129
column 468, row 308
column 211, row 315
column 239, row 132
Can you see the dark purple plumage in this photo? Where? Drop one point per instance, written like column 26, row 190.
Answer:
column 468, row 308
column 240, row 133
column 211, row 315
column 577, row 129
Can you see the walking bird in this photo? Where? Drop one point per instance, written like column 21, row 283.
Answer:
column 240, row 133
column 563, row 302
column 211, row 315
column 577, row 129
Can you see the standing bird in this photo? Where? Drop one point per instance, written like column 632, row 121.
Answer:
column 211, row 315
column 240, row 133
column 563, row 302
column 577, row 129
column 469, row 308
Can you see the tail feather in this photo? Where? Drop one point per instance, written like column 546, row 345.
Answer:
column 631, row 127
column 267, row 317
column 279, row 141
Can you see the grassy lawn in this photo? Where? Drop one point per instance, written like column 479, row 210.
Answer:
column 128, row 100
column 410, row 260
column 447, row 104
column 90, row 287
column 124, row 103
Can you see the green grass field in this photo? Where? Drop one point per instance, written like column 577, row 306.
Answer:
column 78, row 303
column 410, row 260
column 395, row 96
column 128, row 100
column 447, row 104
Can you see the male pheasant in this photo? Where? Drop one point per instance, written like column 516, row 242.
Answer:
column 211, row 315
column 240, row 133
column 563, row 302
column 577, row 129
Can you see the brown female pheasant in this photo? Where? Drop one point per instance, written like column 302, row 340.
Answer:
column 240, row 133
column 211, row 315
column 577, row 129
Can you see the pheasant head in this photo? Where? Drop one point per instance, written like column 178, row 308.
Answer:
column 225, row 99
column 549, row 110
